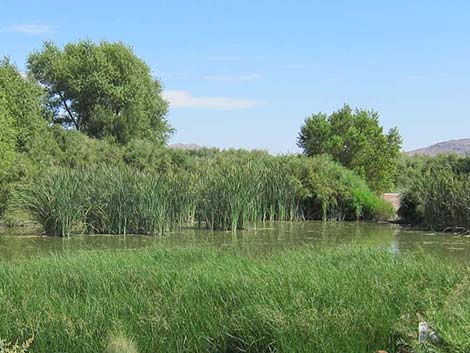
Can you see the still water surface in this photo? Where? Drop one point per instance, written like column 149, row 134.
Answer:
column 21, row 243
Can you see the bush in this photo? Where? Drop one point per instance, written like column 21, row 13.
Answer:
column 330, row 191
column 439, row 198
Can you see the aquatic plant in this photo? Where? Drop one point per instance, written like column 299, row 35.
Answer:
column 227, row 191
column 234, row 193
column 174, row 299
column 439, row 198
column 57, row 201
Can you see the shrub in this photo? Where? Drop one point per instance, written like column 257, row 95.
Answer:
column 439, row 198
column 330, row 191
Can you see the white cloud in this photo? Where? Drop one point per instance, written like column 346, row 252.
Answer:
column 30, row 29
column 231, row 78
column 184, row 99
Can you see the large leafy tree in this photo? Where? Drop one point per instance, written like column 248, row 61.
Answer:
column 356, row 139
column 102, row 90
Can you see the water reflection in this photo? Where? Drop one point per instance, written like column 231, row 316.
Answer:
column 266, row 237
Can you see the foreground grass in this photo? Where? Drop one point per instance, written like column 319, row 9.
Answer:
column 175, row 299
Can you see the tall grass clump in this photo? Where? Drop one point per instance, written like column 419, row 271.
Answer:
column 439, row 198
column 58, row 201
column 123, row 200
column 109, row 200
column 184, row 299
column 278, row 198
column 234, row 193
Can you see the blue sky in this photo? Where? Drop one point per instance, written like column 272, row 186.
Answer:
column 247, row 73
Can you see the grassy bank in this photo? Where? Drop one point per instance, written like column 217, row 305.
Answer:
column 203, row 300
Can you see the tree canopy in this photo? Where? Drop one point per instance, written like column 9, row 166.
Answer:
column 22, row 101
column 355, row 139
column 102, row 90
column 7, row 140
column 21, row 124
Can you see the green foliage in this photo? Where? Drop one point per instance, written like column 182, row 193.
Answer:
column 439, row 197
column 24, row 137
column 408, row 169
column 147, row 156
column 124, row 200
column 76, row 150
column 238, row 191
column 8, row 135
column 107, row 200
column 7, row 148
column 356, row 140
column 330, row 191
column 102, row 89
column 228, row 190
column 175, row 299
column 22, row 100
column 56, row 202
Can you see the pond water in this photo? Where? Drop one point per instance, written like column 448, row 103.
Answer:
column 21, row 243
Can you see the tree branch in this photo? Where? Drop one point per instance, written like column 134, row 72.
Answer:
column 69, row 112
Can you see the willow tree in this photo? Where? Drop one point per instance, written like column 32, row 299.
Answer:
column 101, row 90
column 355, row 139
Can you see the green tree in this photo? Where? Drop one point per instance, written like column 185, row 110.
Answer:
column 355, row 139
column 23, row 102
column 26, row 143
column 8, row 135
column 102, row 90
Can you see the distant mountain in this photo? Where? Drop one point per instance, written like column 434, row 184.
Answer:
column 182, row 146
column 454, row 146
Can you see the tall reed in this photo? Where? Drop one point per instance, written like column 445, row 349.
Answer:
column 113, row 200
column 226, row 191
column 439, row 198
column 235, row 193
column 58, row 201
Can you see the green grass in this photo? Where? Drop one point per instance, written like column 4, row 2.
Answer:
column 182, row 299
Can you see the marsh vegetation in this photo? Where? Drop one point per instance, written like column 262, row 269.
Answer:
column 167, row 299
